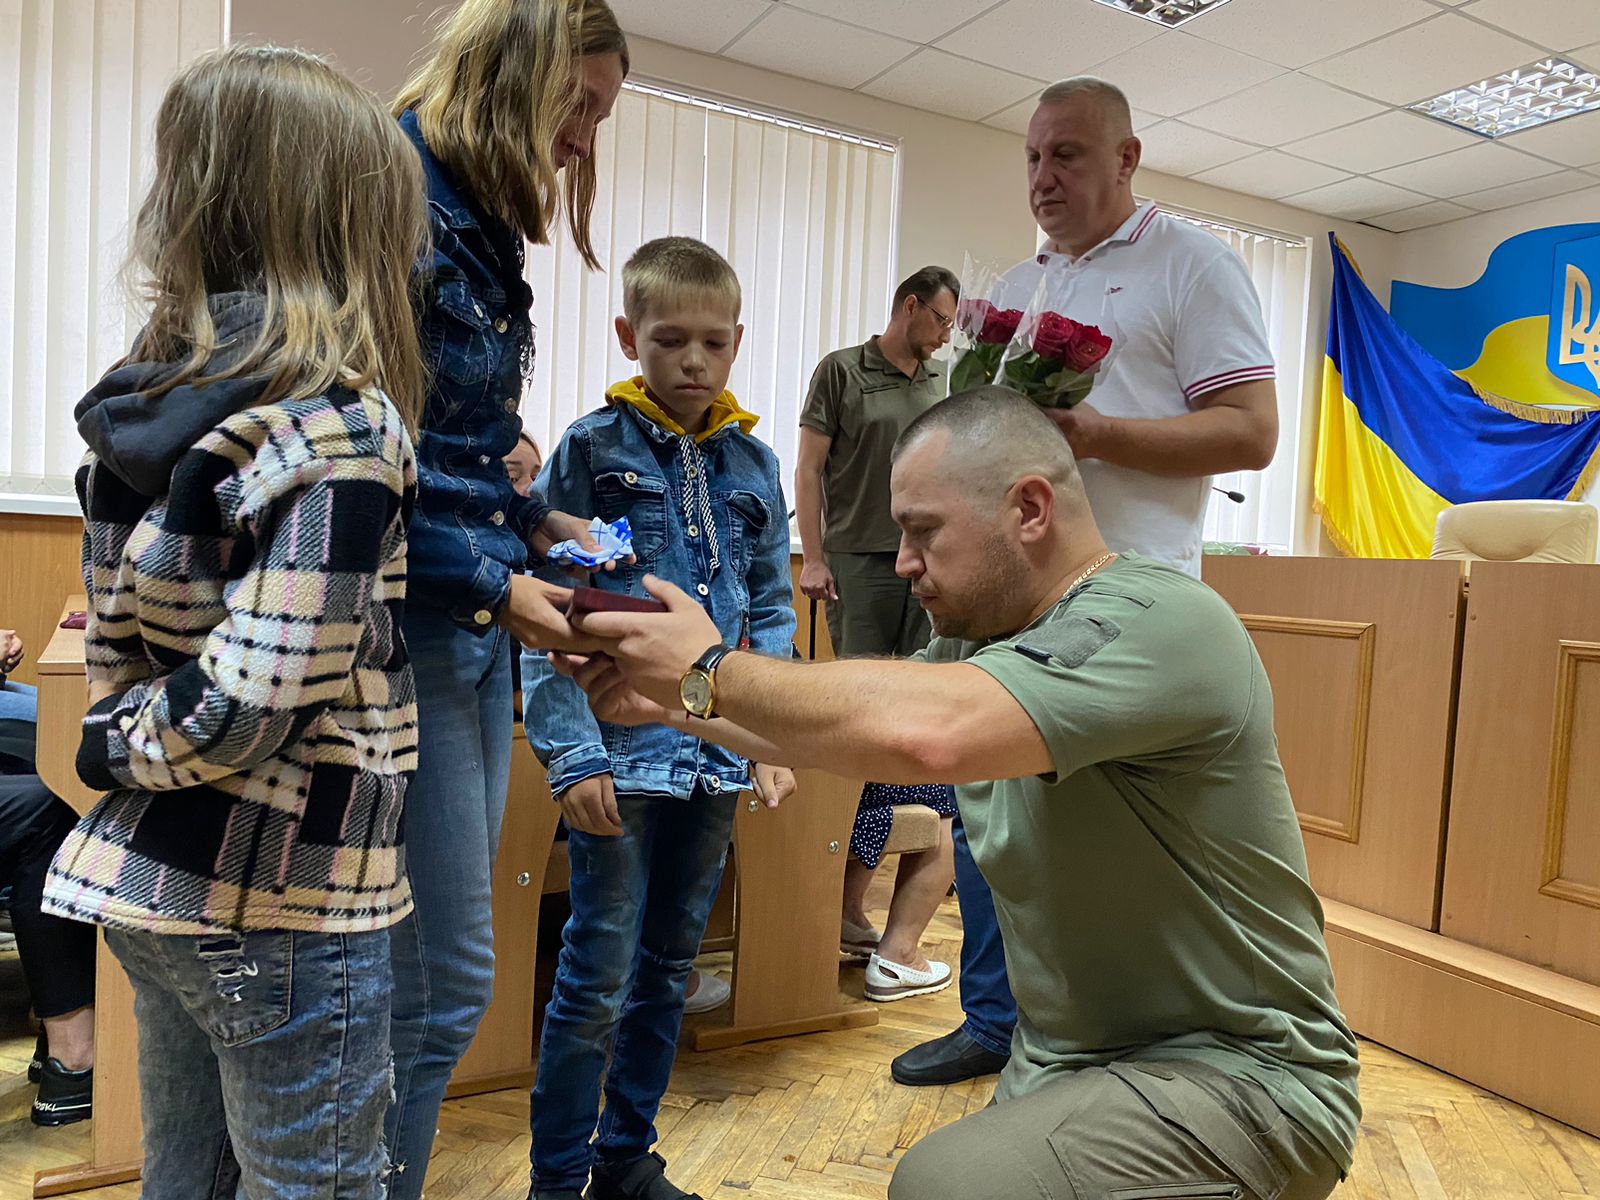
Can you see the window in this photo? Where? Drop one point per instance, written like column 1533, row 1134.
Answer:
column 804, row 214
column 1280, row 268
column 79, row 88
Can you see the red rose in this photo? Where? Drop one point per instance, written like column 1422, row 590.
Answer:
column 1052, row 335
column 1087, row 349
column 1001, row 325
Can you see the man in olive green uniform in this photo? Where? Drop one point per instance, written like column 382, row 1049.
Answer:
column 861, row 400
column 1110, row 726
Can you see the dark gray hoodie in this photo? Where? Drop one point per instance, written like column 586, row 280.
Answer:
column 140, row 437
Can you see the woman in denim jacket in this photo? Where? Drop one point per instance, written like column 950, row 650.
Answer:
column 503, row 117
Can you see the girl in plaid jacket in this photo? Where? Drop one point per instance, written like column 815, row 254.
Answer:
column 253, row 716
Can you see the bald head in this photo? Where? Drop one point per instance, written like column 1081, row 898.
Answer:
column 1106, row 100
column 993, row 437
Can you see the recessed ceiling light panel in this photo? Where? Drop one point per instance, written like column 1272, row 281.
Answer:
column 1170, row 13
column 1537, row 94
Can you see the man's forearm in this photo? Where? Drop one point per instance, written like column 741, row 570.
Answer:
column 836, row 716
column 1212, row 441
column 808, row 513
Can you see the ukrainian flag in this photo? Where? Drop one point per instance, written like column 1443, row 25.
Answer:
column 1402, row 437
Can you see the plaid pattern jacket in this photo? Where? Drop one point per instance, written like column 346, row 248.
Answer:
column 257, row 754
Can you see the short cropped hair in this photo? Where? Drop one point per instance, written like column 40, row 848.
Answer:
column 671, row 268
column 926, row 284
column 1108, row 97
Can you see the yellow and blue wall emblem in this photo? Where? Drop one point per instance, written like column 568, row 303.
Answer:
column 1405, row 432
column 1529, row 328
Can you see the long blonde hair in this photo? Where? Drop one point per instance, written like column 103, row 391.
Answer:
column 277, row 176
column 502, row 82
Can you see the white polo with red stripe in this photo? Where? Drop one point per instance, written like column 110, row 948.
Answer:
column 1188, row 323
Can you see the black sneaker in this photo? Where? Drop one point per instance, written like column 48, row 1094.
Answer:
column 36, row 1063
column 642, row 1178
column 64, row 1095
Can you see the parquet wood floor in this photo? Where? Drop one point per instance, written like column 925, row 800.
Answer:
column 818, row 1118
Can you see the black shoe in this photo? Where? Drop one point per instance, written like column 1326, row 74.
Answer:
column 559, row 1194
column 64, row 1095
column 36, row 1064
column 642, row 1178
column 949, row 1059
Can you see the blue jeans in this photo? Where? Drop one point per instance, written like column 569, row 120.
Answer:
column 985, row 991
column 444, row 952
column 19, row 727
column 640, row 903
column 263, row 1063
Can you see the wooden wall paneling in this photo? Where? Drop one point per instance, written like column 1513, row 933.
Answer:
column 1361, row 655
column 1522, row 862
column 38, row 566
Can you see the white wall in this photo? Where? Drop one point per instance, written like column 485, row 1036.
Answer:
column 962, row 185
column 1454, row 255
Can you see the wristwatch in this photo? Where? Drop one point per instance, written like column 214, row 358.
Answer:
column 698, row 687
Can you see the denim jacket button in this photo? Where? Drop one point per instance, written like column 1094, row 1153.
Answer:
column 702, row 589
column 511, row 404
column 483, row 616
column 694, row 531
column 501, row 325
column 497, row 518
column 714, row 783
column 483, row 460
column 632, row 477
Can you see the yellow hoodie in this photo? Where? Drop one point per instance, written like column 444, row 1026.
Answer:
column 725, row 409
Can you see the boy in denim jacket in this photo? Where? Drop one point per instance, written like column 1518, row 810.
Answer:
column 650, row 810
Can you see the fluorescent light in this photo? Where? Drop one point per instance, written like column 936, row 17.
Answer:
column 1170, row 13
column 1536, row 94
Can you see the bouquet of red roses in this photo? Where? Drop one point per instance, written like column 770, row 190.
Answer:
column 986, row 331
column 1053, row 360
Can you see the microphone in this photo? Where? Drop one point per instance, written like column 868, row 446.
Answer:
column 1236, row 497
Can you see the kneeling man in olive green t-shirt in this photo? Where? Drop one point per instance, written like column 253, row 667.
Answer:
column 1110, row 726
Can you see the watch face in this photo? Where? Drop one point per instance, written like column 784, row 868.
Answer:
column 695, row 690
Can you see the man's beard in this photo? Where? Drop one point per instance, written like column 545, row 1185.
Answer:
column 986, row 603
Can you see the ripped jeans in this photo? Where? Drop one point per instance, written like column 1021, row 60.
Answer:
column 264, row 1063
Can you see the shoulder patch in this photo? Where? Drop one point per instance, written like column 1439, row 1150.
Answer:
column 1071, row 641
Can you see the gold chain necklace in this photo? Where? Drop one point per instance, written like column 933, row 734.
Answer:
column 1093, row 567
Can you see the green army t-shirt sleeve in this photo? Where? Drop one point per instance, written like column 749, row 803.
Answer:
column 821, row 411
column 1106, row 679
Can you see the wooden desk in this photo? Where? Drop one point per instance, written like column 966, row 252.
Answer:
column 1361, row 655
column 115, row 1151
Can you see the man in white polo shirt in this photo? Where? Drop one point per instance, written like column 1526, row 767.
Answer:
column 1189, row 394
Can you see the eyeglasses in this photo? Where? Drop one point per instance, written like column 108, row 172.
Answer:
column 945, row 323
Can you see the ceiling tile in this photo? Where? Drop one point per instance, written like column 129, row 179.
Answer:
column 1471, row 169
column 916, row 20
column 1435, row 213
column 1357, row 199
column 1178, row 149
column 1529, row 190
column 1293, row 33
column 1272, row 174
column 1283, row 109
column 1574, row 141
column 1385, row 141
column 1016, row 117
column 943, row 83
column 1425, row 60
column 1176, row 73
column 1010, row 37
column 817, row 48
column 1559, row 25
column 1587, row 56
column 707, row 27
